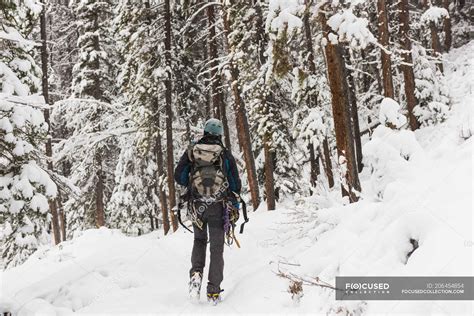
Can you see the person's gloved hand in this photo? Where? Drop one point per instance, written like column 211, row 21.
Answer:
column 236, row 205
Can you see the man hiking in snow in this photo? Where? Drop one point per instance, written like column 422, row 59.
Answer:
column 209, row 172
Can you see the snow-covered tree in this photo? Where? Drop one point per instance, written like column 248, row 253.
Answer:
column 134, row 201
column 19, row 73
column 86, row 118
column 89, row 148
column 25, row 186
column 92, row 73
column 139, row 193
column 62, row 35
column 271, row 104
column 431, row 89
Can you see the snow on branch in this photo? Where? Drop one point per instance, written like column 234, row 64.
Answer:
column 434, row 14
column 350, row 28
column 284, row 13
column 10, row 34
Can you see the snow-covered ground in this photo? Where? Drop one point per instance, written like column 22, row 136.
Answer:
column 425, row 196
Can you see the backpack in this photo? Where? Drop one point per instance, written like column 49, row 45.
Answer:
column 207, row 177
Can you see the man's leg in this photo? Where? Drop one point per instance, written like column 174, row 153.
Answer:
column 198, row 256
column 216, row 238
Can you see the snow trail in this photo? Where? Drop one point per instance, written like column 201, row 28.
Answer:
column 427, row 197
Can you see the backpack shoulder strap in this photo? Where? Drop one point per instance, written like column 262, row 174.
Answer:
column 190, row 151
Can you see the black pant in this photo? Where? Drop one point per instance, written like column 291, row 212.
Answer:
column 213, row 221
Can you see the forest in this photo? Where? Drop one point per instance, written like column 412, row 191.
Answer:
column 99, row 98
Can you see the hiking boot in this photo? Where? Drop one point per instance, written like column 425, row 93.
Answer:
column 214, row 298
column 195, row 285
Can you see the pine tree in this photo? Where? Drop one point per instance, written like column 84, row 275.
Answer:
column 169, row 114
column 25, row 186
column 309, row 91
column 384, row 39
column 89, row 115
column 340, row 106
column 409, row 78
column 433, row 16
column 235, row 39
column 141, row 156
column 188, row 58
column 431, row 89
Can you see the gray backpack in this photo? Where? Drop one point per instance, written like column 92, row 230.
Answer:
column 207, row 177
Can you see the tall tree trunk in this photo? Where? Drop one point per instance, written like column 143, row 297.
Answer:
column 269, row 180
column 328, row 163
column 314, row 164
column 225, row 124
column 407, row 66
column 208, row 110
column 435, row 42
column 341, row 114
column 218, row 104
column 312, row 100
column 436, row 46
column 372, row 70
column 243, row 132
column 169, row 118
column 213, row 64
column 354, row 112
column 49, row 151
column 448, row 36
column 99, row 193
column 269, row 167
column 384, row 39
column 160, row 174
column 62, row 218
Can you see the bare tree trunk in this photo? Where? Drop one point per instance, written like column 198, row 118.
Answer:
column 243, row 132
column 356, row 130
column 435, row 42
column 436, row 46
column 354, row 112
column 219, row 106
column 225, row 124
column 269, row 168
column 314, row 163
column 208, row 108
column 62, row 218
column 49, row 151
column 372, row 70
column 407, row 66
column 169, row 117
column 212, row 44
column 269, row 180
column 448, row 36
column 328, row 163
column 341, row 114
column 312, row 69
column 99, row 193
column 384, row 39
column 160, row 174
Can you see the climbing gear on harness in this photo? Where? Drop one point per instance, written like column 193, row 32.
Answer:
column 195, row 214
column 231, row 216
